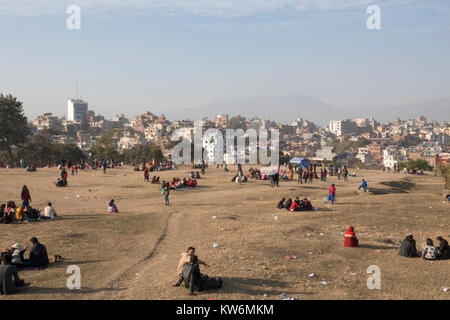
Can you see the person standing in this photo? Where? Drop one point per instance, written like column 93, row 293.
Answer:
column 332, row 194
column 166, row 192
column 25, row 196
column 300, row 174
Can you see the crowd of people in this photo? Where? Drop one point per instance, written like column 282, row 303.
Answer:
column 430, row 251
column 10, row 213
column 296, row 205
column 13, row 260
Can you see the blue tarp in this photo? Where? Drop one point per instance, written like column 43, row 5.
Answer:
column 300, row 161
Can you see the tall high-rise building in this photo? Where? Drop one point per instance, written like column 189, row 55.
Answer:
column 76, row 109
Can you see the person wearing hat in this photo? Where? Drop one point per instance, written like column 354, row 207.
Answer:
column 18, row 256
column 408, row 247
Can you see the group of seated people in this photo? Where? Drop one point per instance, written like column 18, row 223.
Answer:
column 177, row 183
column 430, row 251
column 13, row 260
column 155, row 180
column 10, row 213
column 255, row 173
column 238, row 178
column 195, row 175
column 31, row 169
column 296, row 205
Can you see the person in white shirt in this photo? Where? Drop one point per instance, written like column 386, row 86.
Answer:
column 430, row 252
column 49, row 212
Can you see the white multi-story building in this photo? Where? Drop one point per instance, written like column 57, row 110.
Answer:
column 342, row 127
column 76, row 109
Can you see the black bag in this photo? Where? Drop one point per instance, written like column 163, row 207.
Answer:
column 210, row 283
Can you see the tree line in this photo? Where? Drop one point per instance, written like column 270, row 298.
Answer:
column 18, row 143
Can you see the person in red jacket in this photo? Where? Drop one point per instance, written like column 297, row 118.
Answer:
column 25, row 196
column 350, row 239
column 332, row 193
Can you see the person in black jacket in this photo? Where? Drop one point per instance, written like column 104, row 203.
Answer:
column 408, row 247
column 38, row 254
column 444, row 250
column 280, row 204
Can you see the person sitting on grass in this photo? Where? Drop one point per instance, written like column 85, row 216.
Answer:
column 59, row 183
column 112, row 208
column 295, row 206
column 363, row 186
column 350, row 239
column 408, row 247
column 49, row 212
column 10, row 281
column 444, row 249
column 305, row 205
column 287, row 204
column 38, row 254
column 280, row 204
column 19, row 214
column 18, row 256
column 430, row 252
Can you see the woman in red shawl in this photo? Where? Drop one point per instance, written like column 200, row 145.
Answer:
column 350, row 239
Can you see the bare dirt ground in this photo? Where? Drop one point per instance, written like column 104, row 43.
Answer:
column 134, row 255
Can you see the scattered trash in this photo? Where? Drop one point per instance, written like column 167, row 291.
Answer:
column 445, row 289
column 246, row 269
column 284, row 296
column 353, row 273
column 264, row 267
column 78, row 195
column 275, row 217
column 321, row 234
column 288, row 257
column 215, row 245
column 311, row 275
column 308, row 234
column 240, row 257
column 67, row 198
column 265, row 295
column 324, row 283
column 310, row 252
column 214, row 217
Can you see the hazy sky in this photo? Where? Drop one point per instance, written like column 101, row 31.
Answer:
column 137, row 55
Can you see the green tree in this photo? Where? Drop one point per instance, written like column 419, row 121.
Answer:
column 13, row 124
column 237, row 122
column 105, row 147
column 443, row 170
column 39, row 151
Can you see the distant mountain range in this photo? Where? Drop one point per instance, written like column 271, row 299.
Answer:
column 291, row 107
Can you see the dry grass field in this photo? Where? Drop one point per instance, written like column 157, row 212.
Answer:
column 134, row 255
